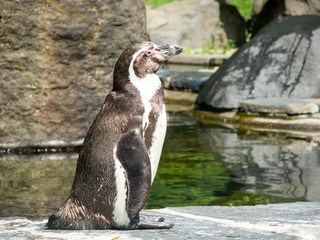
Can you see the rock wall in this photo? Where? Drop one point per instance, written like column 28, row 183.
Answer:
column 196, row 23
column 56, row 63
column 265, row 11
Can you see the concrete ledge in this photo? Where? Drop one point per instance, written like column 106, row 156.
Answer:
column 199, row 59
column 299, row 220
column 276, row 106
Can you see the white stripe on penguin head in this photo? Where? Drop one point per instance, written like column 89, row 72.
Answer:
column 146, row 86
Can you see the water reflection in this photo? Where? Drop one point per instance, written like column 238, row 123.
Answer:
column 268, row 165
column 34, row 186
column 201, row 165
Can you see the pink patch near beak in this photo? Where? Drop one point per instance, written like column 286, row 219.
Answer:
column 159, row 56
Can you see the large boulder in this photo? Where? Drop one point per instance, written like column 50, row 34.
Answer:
column 280, row 62
column 56, row 63
column 196, row 23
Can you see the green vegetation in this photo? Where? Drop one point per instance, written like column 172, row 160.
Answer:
column 228, row 49
column 243, row 6
column 222, row 50
column 159, row 2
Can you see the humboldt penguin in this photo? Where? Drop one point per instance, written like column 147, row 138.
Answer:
column 120, row 154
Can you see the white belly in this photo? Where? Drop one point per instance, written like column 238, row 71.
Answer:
column 147, row 88
column 120, row 215
column 157, row 142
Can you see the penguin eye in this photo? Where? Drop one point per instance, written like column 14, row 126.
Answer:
column 148, row 53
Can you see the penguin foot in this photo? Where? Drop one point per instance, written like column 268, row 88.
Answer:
column 151, row 218
column 149, row 222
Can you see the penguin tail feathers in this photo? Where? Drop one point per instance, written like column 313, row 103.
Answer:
column 74, row 216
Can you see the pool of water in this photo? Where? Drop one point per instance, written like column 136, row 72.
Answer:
column 201, row 164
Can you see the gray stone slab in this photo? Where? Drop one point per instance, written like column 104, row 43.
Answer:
column 276, row 221
column 313, row 100
column 199, row 59
column 279, row 106
column 295, row 213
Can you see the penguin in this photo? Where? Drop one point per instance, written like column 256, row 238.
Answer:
column 121, row 151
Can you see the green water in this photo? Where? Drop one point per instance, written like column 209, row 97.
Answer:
column 188, row 175
column 201, row 164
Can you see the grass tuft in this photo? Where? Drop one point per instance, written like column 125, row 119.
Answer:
column 244, row 7
column 159, row 2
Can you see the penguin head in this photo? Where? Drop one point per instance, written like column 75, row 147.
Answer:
column 150, row 56
column 143, row 58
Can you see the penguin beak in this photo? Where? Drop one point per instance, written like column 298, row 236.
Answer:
column 164, row 52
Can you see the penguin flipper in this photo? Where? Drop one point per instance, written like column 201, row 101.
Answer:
column 133, row 155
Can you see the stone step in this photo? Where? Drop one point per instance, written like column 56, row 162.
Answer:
column 298, row 220
column 280, row 106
